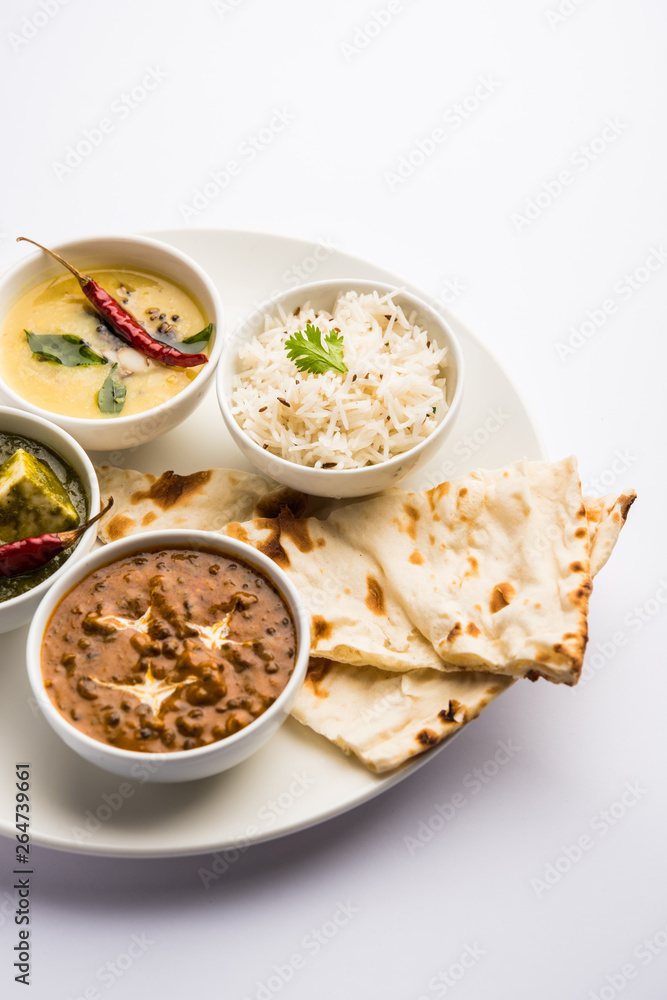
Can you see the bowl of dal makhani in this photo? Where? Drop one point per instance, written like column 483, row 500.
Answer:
column 113, row 338
column 177, row 653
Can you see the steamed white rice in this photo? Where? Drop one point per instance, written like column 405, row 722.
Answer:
column 390, row 399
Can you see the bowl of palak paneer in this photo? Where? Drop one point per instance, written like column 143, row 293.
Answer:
column 185, row 647
column 48, row 487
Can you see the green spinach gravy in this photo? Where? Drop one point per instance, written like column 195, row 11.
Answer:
column 10, row 443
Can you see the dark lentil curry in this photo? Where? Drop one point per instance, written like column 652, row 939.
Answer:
column 168, row 650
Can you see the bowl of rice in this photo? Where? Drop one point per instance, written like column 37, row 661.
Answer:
column 341, row 388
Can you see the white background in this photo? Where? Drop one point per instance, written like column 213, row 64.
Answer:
column 356, row 104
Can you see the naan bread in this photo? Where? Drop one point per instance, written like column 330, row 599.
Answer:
column 354, row 617
column 425, row 606
column 606, row 516
column 205, row 500
column 386, row 718
column 493, row 569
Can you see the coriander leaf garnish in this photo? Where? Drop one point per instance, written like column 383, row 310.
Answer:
column 306, row 350
column 111, row 397
column 63, row 349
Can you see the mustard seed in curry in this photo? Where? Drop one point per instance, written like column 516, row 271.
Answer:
column 168, row 650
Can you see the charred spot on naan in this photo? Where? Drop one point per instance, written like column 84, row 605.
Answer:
column 271, row 504
column 171, row 489
column 119, row 526
column 374, row 596
column 455, row 712
column 427, row 738
column 322, row 629
column 626, row 501
column 296, row 529
column 412, row 515
column 148, row 518
column 501, row 595
column 581, row 594
column 455, row 632
column 270, row 545
column 417, row 558
column 318, row 669
column 472, row 629
column 580, row 533
column 236, row 530
column 436, row 494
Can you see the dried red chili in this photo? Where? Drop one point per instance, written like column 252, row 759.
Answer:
column 123, row 322
column 31, row 553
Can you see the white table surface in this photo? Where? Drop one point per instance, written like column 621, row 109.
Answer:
column 569, row 110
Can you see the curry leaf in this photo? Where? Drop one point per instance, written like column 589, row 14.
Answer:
column 196, row 340
column 63, row 349
column 111, row 397
column 194, row 344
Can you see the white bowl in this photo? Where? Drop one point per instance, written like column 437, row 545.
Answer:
column 180, row 765
column 19, row 610
column 115, row 433
column 341, row 482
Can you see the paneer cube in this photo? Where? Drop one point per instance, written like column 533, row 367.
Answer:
column 33, row 501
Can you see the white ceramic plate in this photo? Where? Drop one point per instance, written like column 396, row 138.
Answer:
column 298, row 779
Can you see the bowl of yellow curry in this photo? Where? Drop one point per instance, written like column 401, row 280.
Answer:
column 113, row 338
